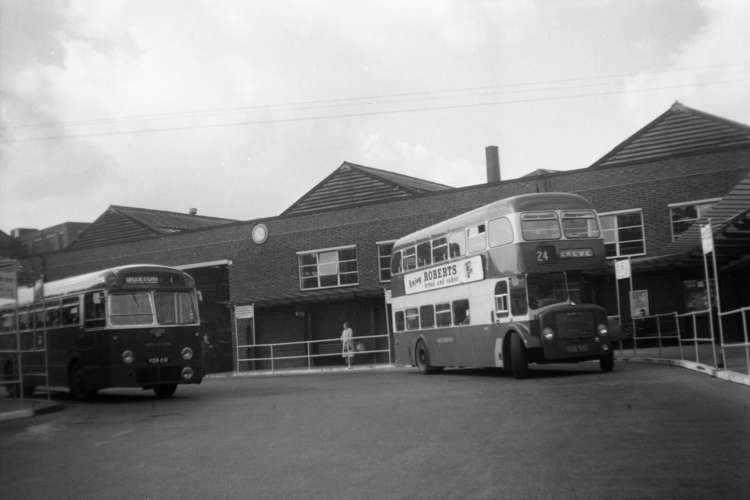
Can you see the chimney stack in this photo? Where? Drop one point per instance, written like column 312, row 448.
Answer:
column 493, row 164
column 193, row 211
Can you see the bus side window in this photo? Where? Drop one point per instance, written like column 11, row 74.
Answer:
column 396, row 262
column 501, row 299
column 410, row 258
column 53, row 316
column 427, row 316
column 501, row 232
column 93, row 309
column 39, row 319
column 412, row 318
column 399, row 326
column 461, row 312
column 23, row 320
column 518, row 296
column 456, row 243
column 439, row 249
column 7, row 323
column 443, row 314
column 70, row 312
column 424, row 254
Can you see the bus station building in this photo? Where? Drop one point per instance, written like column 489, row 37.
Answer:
column 326, row 259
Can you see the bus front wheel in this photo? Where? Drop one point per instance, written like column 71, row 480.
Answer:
column 422, row 357
column 165, row 390
column 518, row 362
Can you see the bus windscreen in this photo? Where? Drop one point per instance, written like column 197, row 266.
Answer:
column 130, row 309
column 174, row 308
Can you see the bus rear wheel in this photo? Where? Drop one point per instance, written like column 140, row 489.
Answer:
column 518, row 361
column 607, row 362
column 165, row 390
column 422, row 357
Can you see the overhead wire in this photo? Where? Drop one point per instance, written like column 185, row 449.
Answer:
column 376, row 100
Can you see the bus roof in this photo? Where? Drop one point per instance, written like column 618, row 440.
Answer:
column 79, row 283
column 520, row 203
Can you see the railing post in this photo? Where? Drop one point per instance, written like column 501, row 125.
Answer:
column 309, row 365
column 271, row 357
column 658, row 332
column 695, row 336
column 679, row 333
column 747, row 343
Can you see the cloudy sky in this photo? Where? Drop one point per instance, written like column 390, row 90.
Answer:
column 240, row 107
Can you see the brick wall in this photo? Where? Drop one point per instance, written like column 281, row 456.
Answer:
column 271, row 270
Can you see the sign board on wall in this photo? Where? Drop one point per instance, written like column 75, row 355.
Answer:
column 244, row 312
column 448, row 274
column 622, row 269
column 707, row 239
column 639, row 303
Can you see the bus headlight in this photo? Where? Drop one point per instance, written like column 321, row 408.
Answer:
column 548, row 333
column 187, row 353
column 128, row 357
column 602, row 329
column 187, row 373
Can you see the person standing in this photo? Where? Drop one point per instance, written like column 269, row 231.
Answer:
column 347, row 344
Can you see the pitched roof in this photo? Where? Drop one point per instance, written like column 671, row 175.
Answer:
column 540, row 171
column 120, row 224
column 677, row 132
column 352, row 185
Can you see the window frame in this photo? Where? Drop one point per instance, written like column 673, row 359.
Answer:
column 697, row 204
column 339, row 273
column 384, row 270
column 618, row 254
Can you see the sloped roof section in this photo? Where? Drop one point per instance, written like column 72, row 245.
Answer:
column 352, row 185
column 678, row 132
column 730, row 223
column 120, row 224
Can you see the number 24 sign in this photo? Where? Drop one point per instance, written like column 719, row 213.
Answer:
column 546, row 254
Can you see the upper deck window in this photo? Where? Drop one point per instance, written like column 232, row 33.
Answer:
column 439, row 249
column 456, row 243
column 540, row 226
column 424, row 254
column 580, row 224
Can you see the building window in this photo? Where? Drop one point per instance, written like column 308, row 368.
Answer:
column 683, row 215
column 328, row 268
column 623, row 233
column 384, row 260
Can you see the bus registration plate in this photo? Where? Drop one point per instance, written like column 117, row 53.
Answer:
column 157, row 360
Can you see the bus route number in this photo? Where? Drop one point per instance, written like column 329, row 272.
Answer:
column 546, row 254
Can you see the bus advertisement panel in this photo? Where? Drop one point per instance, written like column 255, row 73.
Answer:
column 505, row 285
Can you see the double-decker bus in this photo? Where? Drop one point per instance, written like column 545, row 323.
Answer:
column 504, row 285
column 128, row 326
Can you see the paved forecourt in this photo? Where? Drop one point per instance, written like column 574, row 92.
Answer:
column 643, row 431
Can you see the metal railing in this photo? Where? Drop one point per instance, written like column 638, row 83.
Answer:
column 14, row 347
column 692, row 336
column 309, row 354
column 735, row 336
